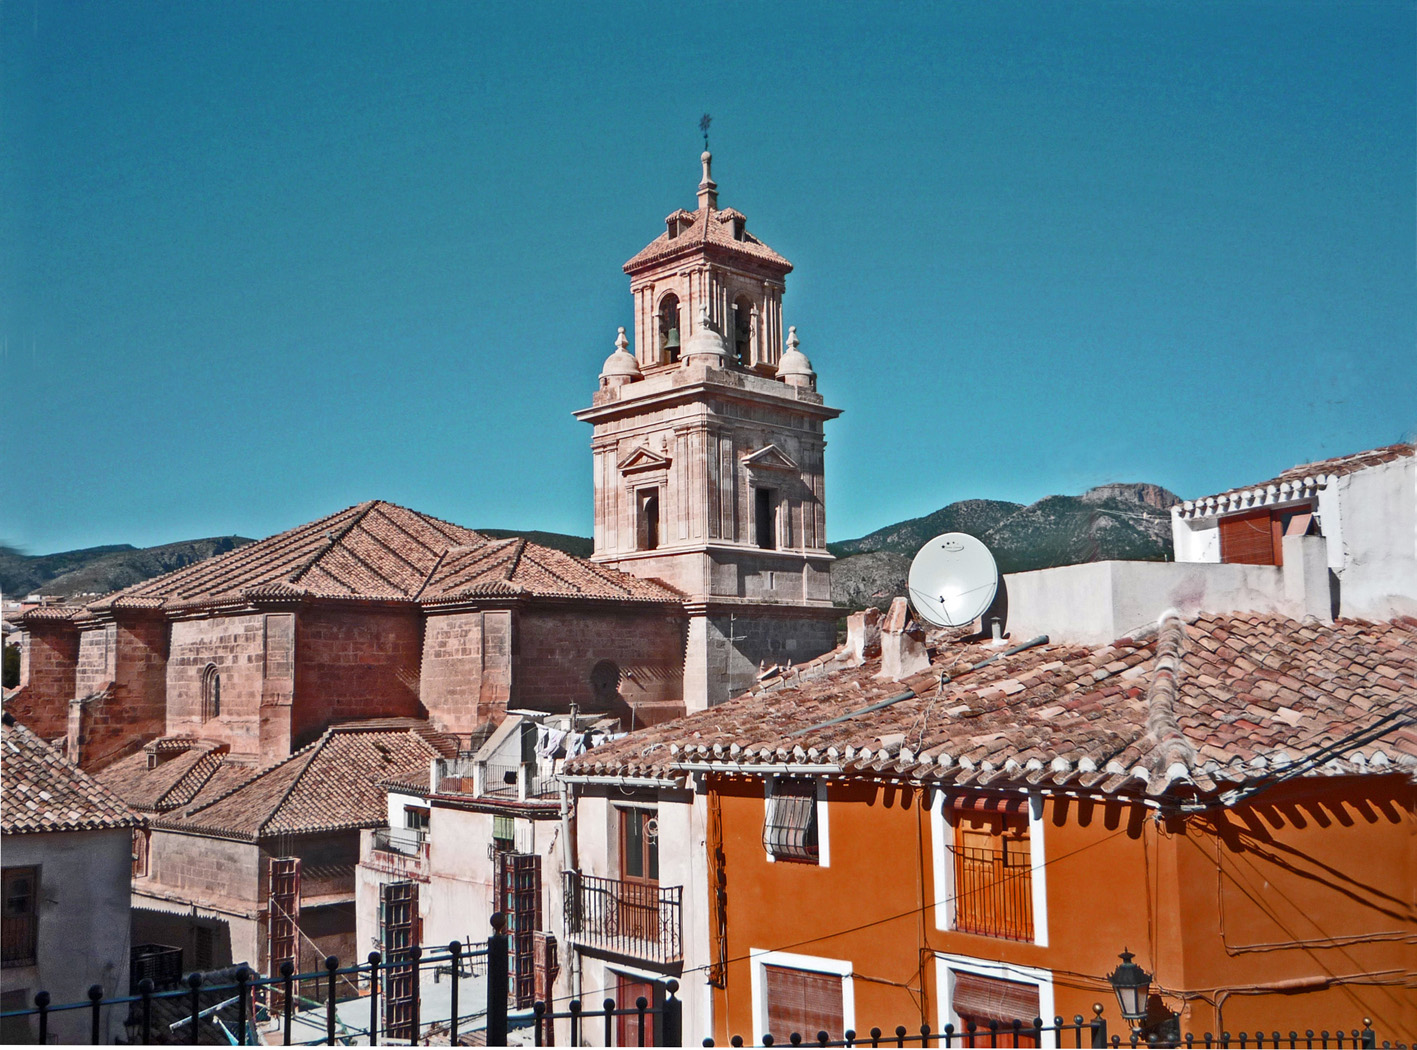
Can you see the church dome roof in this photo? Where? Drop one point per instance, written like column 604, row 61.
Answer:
column 794, row 362
column 621, row 362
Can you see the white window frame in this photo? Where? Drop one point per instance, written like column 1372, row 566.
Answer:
column 942, row 836
column 824, row 853
column 761, row 958
column 999, row 971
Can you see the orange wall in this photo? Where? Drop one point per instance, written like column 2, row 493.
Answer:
column 1116, row 878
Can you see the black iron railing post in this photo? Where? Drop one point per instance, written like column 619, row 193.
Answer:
column 538, row 1011
column 575, row 1009
column 455, row 950
column 145, row 988
column 1099, row 1026
column 608, row 1009
column 415, row 955
column 673, row 1033
column 374, row 960
column 95, row 1022
column 287, row 973
column 497, row 982
column 41, row 1000
column 194, row 982
column 1369, row 1037
column 242, row 976
column 331, row 965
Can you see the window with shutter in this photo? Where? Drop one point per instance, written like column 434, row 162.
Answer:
column 805, row 1002
column 993, row 872
column 790, row 825
column 977, row 1000
column 1251, row 539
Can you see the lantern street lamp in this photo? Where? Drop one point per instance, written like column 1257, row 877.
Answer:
column 1131, row 983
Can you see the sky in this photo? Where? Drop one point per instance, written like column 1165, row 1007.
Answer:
column 261, row 261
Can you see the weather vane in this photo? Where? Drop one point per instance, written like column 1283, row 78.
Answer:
column 704, row 123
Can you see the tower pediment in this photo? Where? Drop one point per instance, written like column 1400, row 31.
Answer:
column 643, row 458
column 769, row 457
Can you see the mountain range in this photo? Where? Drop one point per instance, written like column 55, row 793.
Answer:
column 1128, row 521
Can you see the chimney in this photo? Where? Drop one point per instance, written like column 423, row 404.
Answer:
column 863, row 635
column 1306, row 577
column 902, row 643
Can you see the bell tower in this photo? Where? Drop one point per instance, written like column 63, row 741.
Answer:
column 708, row 451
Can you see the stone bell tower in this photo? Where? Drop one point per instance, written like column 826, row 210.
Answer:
column 708, row 451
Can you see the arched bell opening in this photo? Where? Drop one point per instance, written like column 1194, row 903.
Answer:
column 669, row 329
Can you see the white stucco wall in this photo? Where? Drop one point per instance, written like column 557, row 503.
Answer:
column 83, row 937
column 683, row 837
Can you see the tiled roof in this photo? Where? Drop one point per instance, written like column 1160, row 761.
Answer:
column 44, row 791
column 712, row 229
column 1335, row 467
column 172, row 783
column 381, row 551
column 331, row 785
column 1218, row 702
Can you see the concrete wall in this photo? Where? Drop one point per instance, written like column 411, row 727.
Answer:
column 558, row 647
column 83, row 934
column 725, row 651
column 352, row 664
column 1098, row 602
column 466, row 676
column 204, row 868
column 1378, row 575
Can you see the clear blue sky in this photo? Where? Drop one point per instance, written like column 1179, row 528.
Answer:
column 259, row 261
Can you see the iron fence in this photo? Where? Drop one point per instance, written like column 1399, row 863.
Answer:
column 638, row 920
column 247, row 1009
column 640, row 1024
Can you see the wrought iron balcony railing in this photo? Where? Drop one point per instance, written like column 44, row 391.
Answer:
column 406, row 841
column 638, row 920
column 994, row 893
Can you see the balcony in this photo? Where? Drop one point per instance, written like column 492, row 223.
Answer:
column 505, row 781
column 994, row 893
column 399, row 853
column 407, row 841
column 636, row 920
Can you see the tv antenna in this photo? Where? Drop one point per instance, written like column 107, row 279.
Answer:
column 704, row 123
column 953, row 579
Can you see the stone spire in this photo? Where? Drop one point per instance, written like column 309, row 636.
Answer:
column 708, row 189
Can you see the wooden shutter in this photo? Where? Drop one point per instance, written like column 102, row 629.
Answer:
column 985, row 999
column 1251, row 539
column 283, row 915
column 803, row 1001
column 398, row 915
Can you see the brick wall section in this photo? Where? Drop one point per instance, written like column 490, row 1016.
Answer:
column 51, row 653
column 235, row 646
column 134, row 710
column 98, row 650
column 353, row 664
column 467, row 668
column 277, row 686
column 557, row 648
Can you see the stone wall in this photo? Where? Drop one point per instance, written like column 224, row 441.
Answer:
column 49, row 659
column 466, row 674
column 621, row 660
column 353, row 664
column 123, row 670
column 734, row 647
column 219, row 872
column 235, row 647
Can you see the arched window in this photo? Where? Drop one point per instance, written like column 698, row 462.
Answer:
column 743, row 332
column 211, row 693
column 669, row 329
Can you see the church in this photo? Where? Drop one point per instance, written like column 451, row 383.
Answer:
column 709, row 561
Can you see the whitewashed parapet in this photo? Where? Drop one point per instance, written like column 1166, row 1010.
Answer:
column 1252, row 498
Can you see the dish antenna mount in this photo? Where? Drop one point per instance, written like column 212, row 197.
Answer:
column 953, row 579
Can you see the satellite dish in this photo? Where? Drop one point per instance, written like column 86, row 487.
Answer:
column 952, row 580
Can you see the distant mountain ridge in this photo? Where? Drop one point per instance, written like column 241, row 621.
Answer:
column 1129, row 521
column 98, row 570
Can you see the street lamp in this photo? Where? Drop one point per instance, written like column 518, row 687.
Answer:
column 1131, row 983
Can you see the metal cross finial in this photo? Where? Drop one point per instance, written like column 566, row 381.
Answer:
column 704, row 123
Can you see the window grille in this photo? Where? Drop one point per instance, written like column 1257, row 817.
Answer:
column 21, row 919
column 790, row 830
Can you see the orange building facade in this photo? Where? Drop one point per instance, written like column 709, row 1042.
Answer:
column 1231, row 800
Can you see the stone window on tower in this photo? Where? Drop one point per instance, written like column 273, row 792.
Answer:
column 647, row 519
column 764, row 518
column 669, row 329
column 211, row 693
column 743, row 332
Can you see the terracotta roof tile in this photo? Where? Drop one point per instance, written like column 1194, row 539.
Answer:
column 331, row 785
column 383, row 552
column 1335, row 467
column 707, row 228
column 44, row 791
column 1193, row 720
column 174, row 782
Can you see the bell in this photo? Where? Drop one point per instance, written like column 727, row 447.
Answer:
column 671, row 339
